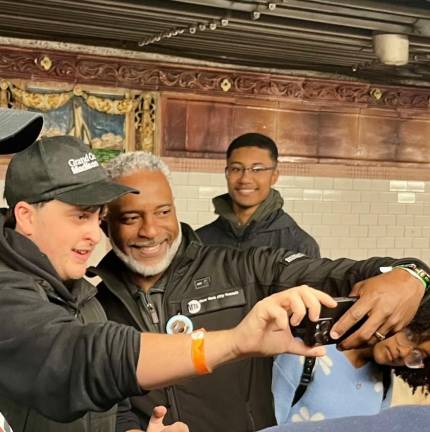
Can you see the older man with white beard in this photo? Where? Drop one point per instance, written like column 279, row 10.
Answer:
column 160, row 278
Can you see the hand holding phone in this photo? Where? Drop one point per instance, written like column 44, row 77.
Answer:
column 318, row 332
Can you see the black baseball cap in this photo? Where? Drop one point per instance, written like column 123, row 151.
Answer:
column 18, row 129
column 62, row 168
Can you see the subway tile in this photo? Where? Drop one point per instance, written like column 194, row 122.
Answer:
column 198, row 205
column 378, row 208
column 395, row 252
column 331, row 219
column 350, row 243
column 218, row 180
column 396, row 208
column 398, row 185
column 189, row 217
column 199, row 178
column 179, row 178
column 388, row 197
column 420, row 242
column 303, row 206
column 423, row 197
column 386, row 219
column 350, row 219
column 415, row 253
column 378, row 252
column 180, row 204
column 361, row 184
column 358, row 254
column 358, row 231
column 324, row 182
column 403, row 242
column 311, row 219
column 302, row 182
column 395, row 231
column 377, row 231
column 360, row 208
column 341, row 207
column 207, row 192
column 413, row 231
column 343, row 184
column 406, row 197
column 369, row 196
column 385, row 242
column 323, row 207
column 187, row 192
column 405, row 220
column 352, row 196
column 368, row 219
column 416, row 209
column 320, row 231
column 367, row 243
column 422, row 221
column 339, row 231
column 312, row 195
column 416, row 186
column 292, row 194
column 332, row 195
column 380, row 185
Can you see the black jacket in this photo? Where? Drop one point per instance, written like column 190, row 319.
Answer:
column 268, row 226
column 56, row 348
column 225, row 283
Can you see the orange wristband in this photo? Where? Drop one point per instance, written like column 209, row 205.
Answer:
column 198, row 352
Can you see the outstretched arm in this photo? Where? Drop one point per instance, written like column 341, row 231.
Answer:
column 265, row 331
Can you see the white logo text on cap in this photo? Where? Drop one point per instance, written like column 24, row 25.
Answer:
column 84, row 163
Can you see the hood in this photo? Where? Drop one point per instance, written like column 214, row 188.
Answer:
column 224, row 208
column 21, row 254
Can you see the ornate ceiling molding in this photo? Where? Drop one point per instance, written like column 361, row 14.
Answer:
column 45, row 65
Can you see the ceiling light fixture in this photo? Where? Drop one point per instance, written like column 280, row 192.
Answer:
column 391, row 49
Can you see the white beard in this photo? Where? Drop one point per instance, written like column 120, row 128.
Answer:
column 145, row 269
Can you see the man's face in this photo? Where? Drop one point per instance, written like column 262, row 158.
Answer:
column 404, row 348
column 67, row 235
column 249, row 188
column 143, row 228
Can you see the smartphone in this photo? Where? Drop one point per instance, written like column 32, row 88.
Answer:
column 318, row 332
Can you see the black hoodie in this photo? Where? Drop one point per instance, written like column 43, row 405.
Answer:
column 59, row 358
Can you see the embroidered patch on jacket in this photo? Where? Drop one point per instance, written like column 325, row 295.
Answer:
column 213, row 302
column 202, row 283
column 293, row 257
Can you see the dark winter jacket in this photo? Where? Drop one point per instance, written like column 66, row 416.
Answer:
column 268, row 226
column 215, row 288
column 56, row 348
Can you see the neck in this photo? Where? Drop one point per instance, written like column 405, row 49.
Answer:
column 359, row 357
column 243, row 213
column 145, row 282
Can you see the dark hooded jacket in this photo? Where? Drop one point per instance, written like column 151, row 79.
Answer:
column 215, row 288
column 268, row 226
column 60, row 360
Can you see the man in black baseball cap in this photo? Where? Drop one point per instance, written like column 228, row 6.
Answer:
column 18, row 129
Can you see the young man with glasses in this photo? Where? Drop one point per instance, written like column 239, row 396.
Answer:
column 251, row 213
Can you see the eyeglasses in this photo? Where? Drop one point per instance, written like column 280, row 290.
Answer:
column 415, row 358
column 239, row 170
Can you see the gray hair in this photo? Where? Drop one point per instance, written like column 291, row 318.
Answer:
column 129, row 163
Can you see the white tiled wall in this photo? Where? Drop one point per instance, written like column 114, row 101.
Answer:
column 354, row 218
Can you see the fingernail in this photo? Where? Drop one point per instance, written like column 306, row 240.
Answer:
column 334, row 335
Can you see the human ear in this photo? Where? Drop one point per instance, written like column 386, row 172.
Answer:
column 24, row 216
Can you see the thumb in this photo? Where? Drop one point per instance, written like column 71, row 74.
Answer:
column 157, row 416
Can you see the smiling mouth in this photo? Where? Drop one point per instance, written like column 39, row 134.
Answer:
column 82, row 254
column 150, row 250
